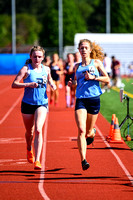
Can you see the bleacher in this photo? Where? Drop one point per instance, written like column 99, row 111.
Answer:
column 122, row 52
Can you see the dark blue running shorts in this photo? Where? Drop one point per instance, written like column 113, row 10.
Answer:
column 92, row 105
column 30, row 109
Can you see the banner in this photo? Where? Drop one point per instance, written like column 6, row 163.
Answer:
column 11, row 63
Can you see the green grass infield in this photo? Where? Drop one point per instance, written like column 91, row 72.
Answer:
column 110, row 104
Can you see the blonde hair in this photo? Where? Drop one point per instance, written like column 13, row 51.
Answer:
column 96, row 50
column 34, row 48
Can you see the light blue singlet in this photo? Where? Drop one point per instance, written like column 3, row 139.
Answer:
column 36, row 96
column 87, row 88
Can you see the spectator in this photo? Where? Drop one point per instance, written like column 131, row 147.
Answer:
column 55, row 73
column 130, row 70
column 115, row 66
column 47, row 61
column 69, row 73
column 107, row 66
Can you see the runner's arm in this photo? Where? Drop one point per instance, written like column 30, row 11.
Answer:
column 17, row 83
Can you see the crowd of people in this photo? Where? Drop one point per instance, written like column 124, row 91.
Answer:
column 61, row 72
column 64, row 70
column 84, row 75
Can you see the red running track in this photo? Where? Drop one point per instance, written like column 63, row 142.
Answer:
column 109, row 177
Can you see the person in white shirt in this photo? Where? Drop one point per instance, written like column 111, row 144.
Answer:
column 107, row 66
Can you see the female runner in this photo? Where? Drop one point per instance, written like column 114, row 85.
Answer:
column 88, row 74
column 34, row 106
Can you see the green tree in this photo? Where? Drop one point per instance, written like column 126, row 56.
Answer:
column 73, row 22
column 79, row 16
column 97, row 20
column 122, row 16
column 49, row 33
column 5, row 7
column 5, row 30
column 87, row 8
column 32, row 6
column 28, row 29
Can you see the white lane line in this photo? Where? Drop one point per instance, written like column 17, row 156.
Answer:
column 10, row 110
column 117, row 157
column 5, row 89
column 7, row 162
column 41, row 182
column 11, row 140
column 54, row 141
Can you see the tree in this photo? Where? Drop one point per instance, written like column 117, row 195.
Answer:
column 5, row 7
column 28, row 29
column 79, row 16
column 49, row 33
column 97, row 20
column 31, row 7
column 87, row 8
column 122, row 16
column 73, row 22
column 5, row 30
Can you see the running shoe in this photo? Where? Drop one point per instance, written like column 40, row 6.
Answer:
column 30, row 156
column 85, row 165
column 90, row 140
column 37, row 165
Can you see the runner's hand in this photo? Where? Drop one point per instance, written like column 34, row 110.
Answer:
column 70, row 82
column 33, row 85
column 89, row 76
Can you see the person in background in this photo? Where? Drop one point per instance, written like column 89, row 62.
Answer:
column 77, row 57
column 55, row 73
column 69, row 73
column 61, row 64
column 34, row 105
column 46, row 62
column 107, row 66
column 130, row 67
column 115, row 66
column 88, row 73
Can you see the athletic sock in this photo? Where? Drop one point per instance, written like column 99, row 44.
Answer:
column 73, row 100
column 68, row 100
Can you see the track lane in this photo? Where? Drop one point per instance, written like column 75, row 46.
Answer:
column 62, row 176
column 15, row 171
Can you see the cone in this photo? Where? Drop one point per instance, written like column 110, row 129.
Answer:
column 116, row 137
column 111, row 128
